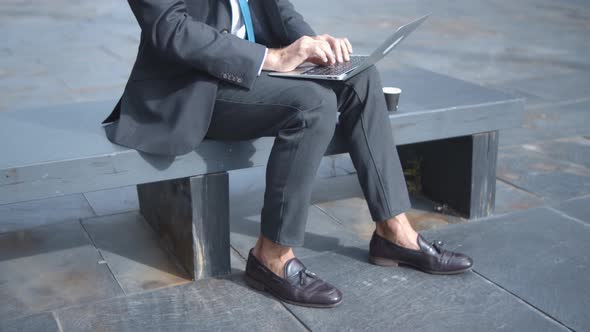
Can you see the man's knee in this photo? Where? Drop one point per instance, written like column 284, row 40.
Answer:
column 371, row 74
column 317, row 107
column 367, row 84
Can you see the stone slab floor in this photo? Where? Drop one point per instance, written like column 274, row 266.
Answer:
column 89, row 262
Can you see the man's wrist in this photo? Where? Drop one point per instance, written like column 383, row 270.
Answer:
column 263, row 60
column 272, row 60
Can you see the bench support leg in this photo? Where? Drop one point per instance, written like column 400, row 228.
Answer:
column 191, row 216
column 461, row 172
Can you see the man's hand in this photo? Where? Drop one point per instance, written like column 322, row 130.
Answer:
column 340, row 46
column 317, row 49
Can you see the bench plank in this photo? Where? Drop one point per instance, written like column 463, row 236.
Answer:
column 63, row 150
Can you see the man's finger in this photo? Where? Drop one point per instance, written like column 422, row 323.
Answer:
column 344, row 49
column 348, row 44
column 325, row 46
column 337, row 48
column 319, row 53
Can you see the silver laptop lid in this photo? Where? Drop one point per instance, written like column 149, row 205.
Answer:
column 389, row 44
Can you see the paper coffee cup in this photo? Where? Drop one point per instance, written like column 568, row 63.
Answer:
column 392, row 97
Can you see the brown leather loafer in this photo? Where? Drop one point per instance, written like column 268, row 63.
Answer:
column 300, row 286
column 431, row 257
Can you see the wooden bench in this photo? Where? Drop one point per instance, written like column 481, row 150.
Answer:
column 63, row 150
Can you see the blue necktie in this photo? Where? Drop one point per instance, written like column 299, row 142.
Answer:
column 247, row 19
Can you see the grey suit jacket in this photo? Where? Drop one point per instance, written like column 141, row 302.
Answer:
column 184, row 51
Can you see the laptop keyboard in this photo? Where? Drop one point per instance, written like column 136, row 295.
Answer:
column 338, row 68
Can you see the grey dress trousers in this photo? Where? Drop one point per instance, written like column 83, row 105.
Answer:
column 302, row 115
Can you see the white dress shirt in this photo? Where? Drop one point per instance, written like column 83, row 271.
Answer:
column 238, row 28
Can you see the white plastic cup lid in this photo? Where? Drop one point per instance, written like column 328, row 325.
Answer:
column 392, row 90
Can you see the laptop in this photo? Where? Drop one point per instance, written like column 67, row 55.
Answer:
column 358, row 63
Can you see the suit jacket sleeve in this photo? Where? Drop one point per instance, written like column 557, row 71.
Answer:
column 294, row 23
column 175, row 35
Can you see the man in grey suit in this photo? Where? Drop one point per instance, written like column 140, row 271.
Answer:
column 201, row 72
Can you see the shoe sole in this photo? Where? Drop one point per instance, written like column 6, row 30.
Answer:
column 380, row 261
column 261, row 287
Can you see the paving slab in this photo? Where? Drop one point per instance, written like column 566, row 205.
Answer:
column 25, row 65
column 550, row 122
column 49, row 267
column 578, row 208
column 342, row 198
column 558, row 120
column 510, row 199
column 42, row 83
column 569, row 86
column 353, row 214
column 538, row 255
column 112, row 201
column 24, row 215
column 530, row 100
column 522, row 135
column 237, row 261
column 38, row 99
column 572, row 149
column 545, row 176
column 132, row 251
column 41, row 322
column 385, row 299
column 97, row 93
column 338, row 187
column 205, row 305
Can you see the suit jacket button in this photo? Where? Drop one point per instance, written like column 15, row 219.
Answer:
column 224, row 31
